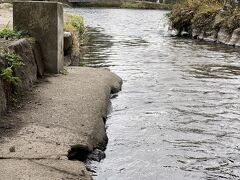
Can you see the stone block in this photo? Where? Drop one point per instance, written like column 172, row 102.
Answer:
column 68, row 41
column 223, row 36
column 235, row 39
column 210, row 36
column 44, row 21
column 28, row 72
column 38, row 58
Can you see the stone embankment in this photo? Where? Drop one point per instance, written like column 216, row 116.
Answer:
column 209, row 21
column 221, row 36
column 63, row 121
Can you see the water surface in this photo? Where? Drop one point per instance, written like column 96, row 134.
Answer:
column 178, row 115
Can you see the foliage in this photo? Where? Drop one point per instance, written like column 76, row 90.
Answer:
column 64, row 71
column 204, row 15
column 74, row 24
column 232, row 21
column 7, row 74
column 145, row 5
column 13, row 62
column 8, row 33
column 181, row 16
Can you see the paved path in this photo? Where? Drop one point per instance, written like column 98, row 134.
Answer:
column 64, row 110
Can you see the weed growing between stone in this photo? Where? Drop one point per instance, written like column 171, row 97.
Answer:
column 75, row 25
column 8, row 33
column 13, row 61
column 64, row 71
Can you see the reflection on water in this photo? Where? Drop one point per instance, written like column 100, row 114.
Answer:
column 178, row 116
column 215, row 71
column 97, row 49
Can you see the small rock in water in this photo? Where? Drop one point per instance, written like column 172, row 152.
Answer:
column 97, row 155
column 12, row 149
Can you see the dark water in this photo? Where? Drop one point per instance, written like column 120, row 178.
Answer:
column 178, row 115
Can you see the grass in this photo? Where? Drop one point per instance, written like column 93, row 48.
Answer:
column 204, row 15
column 75, row 25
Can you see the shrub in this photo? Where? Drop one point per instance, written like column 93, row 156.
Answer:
column 181, row 16
column 204, row 15
column 74, row 24
column 232, row 21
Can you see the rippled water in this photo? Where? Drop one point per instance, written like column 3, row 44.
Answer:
column 178, row 115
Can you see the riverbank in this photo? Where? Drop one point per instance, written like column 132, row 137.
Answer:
column 63, row 110
column 50, row 121
column 126, row 5
column 213, row 21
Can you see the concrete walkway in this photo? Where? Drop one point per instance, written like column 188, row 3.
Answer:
column 64, row 110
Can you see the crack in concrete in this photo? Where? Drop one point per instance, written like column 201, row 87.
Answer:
column 35, row 158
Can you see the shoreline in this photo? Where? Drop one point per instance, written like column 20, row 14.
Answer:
column 214, row 22
column 126, row 5
column 62, row 120
column 57, row 121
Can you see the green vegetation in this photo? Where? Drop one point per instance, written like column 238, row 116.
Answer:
column 64, row 71
column 13, row 61
column 75, row 25
column 204, row 15
column 129, row 5
column 8, row 33
column 145, row 5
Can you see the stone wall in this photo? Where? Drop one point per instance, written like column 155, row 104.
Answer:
column 31, row 57
column 221, row 36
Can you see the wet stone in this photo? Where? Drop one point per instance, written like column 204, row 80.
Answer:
column 78, row 152
column 97, row 155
